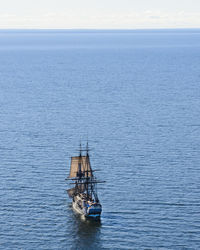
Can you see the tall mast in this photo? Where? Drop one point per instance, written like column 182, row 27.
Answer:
column 79, row 164
column 80, row 150
column 87, row 156
column 87, row 170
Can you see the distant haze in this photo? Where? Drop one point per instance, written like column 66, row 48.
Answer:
column 99, row 14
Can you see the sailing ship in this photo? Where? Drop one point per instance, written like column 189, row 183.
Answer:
column 84, row 193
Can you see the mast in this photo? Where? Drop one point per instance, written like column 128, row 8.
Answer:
column 92, row 181
column 82, row 176
column 79, row 173
column 87, row 170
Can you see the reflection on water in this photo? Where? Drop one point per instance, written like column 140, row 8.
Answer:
column 86, row 232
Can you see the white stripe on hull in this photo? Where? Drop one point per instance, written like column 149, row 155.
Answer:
column 76, row 208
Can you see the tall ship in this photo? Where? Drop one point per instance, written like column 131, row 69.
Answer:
column 84, row 191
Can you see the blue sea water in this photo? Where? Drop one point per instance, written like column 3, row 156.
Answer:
column 136, row 96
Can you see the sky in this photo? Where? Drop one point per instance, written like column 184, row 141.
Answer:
column 99, row 14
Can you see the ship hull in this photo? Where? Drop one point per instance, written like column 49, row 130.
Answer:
column 89, row 212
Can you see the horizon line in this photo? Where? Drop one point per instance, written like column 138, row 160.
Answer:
column 101, row 29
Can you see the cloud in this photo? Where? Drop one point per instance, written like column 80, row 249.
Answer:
column 130, row 20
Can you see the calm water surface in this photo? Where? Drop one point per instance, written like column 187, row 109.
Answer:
column 136, row 96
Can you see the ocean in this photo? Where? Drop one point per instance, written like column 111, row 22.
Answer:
column 135, row 96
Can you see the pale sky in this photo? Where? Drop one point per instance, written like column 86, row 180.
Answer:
column 99, row 14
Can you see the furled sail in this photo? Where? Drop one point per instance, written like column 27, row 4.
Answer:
column 80, row 163
column 71, row 192
column 80, row 188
